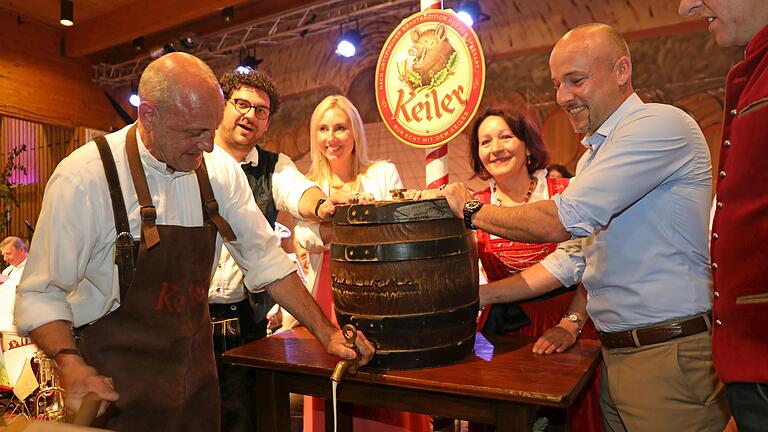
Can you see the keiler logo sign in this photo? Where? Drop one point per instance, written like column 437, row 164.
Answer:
column 430, row 78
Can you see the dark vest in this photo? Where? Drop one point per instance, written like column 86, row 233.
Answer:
column 260, row 180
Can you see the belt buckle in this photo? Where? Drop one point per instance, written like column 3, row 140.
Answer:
column 226, row 334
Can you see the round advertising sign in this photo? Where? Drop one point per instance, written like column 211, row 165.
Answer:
column 430, row 78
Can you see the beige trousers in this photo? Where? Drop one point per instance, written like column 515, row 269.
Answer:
column 671, row 386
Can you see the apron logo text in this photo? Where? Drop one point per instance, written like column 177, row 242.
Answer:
column 175, row 299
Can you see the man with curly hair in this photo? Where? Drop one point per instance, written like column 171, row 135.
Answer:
column 251, row 101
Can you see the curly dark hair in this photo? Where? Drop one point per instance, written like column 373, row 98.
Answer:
column 523, row 128
column 232, row 81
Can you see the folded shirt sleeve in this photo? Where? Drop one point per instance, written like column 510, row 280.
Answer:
column 644, row 150
column 566, row 263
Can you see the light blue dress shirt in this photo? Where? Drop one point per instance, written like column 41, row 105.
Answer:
column 641, row 201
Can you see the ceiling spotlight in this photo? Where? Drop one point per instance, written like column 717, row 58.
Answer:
column 138, row 43
column 470, row 13
column 67, row 13
column 158, row 52
column 248, row 64
column 188, row 42
column 349, row 43
column 133, row 99
column 168, row 48
column 228, row 13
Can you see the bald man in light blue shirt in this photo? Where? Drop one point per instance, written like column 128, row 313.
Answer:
column 640, row 201
column 643, row 189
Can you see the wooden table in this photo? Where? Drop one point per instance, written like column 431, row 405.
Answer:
column 501, row 383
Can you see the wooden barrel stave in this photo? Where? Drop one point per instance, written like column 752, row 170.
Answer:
column 411, row 286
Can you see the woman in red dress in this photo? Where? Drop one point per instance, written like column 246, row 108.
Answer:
column 507, row 150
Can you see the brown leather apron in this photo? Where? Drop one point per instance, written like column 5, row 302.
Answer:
column 157, row 346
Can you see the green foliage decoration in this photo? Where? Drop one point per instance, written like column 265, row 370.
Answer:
column 7, row 192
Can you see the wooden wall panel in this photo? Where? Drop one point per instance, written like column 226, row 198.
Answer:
column 37, row 83
column 46, row 146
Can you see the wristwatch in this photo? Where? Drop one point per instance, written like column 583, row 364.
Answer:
column 574, row 318
column 317, row 207
column 470, row 208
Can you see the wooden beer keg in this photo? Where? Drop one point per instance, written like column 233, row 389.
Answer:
column 405, row 273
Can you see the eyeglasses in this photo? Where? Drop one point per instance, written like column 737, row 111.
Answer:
column 243, row 107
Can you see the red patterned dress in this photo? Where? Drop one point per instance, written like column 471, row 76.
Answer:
column 502, row 258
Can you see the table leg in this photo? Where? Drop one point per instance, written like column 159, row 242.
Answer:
column 273, row 407
column 514, row 417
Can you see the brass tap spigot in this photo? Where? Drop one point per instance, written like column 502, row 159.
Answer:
column 344, row 367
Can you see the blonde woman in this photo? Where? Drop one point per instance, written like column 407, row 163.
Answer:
column 340, row 166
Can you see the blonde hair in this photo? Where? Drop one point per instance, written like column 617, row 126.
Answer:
column 321, row 170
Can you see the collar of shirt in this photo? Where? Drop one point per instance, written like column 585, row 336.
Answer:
column 154, row 164
column 12, row 268
column 252, row 157
column 593, row 141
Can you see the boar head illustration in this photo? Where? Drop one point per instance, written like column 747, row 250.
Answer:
column 430, row 51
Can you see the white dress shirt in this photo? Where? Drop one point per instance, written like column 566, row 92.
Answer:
column 8, row 296
column 288, row 186
column 71, row 273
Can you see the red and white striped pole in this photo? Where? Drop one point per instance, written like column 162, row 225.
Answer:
column 436, row 158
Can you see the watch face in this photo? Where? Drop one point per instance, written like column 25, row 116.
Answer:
column 472, row 206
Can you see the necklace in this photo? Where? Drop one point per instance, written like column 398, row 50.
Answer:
column 525, row 198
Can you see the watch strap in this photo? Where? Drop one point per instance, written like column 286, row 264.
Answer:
column 578, row 321
column 317, row 207
column 468, row 221
column 474, row 207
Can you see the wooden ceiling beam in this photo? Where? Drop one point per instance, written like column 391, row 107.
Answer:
column 140, row 18
column 249, row 12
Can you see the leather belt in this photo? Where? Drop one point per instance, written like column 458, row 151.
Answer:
column 656, row 333
column 219, row 311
